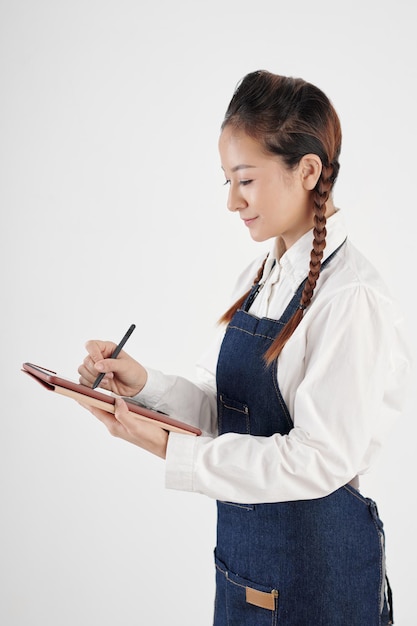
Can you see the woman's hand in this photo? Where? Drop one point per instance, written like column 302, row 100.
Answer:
column 128, row 427
column 123, row 376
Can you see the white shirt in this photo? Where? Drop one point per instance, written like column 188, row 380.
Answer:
column 342, row 375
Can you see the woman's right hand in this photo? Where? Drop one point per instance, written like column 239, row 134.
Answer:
column 123, row 376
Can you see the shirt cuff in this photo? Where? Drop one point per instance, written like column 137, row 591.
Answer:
column 153, row 390
column 179, row 462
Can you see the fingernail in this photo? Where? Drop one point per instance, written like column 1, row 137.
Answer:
column 99, row 366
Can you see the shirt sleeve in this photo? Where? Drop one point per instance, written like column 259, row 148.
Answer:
column 185, row 400
column 350, row 393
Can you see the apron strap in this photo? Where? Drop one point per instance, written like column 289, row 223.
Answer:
column 390, row 605
column 294, row 301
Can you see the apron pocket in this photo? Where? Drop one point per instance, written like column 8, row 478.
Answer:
column 233, row 416
column 242, row 602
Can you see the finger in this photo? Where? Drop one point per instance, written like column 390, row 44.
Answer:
column 114, row 427
column 88, row 373
column 127, row 427
column 99, row 350
column 143, row 434
column 87, row 369
column 121, row 411
column 134, row 427
column 109, row 366
column 87, row 379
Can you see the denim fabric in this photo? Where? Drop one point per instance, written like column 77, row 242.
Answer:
column 296, row 563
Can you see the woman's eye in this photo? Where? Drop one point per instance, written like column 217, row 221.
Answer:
column 244, row 182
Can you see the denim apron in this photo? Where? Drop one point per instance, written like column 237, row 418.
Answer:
column 295, row 563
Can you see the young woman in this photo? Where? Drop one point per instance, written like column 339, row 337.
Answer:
column 296, row 398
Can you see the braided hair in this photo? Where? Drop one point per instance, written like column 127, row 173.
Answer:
column 290, row 118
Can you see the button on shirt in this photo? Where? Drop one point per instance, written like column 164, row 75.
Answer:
column 342, row 374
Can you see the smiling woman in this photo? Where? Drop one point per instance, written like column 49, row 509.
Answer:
column 271, row 199
column 294, row 399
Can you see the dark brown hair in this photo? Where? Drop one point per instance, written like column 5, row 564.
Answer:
column 290, row 118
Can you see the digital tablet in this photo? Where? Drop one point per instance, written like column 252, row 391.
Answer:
column 103, row 400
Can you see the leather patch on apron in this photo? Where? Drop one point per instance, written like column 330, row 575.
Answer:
column 261, row 598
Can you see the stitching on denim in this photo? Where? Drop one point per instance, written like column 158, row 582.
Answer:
column 248, row 332
column 381, row 547
column 279, row 395
column 357, row 495
column 220, row 569
column 232, row 408
column 220, row 418
column 274, row 613
column 227, row 597
column 264, row 336
column 246, row 507
column 223, row 405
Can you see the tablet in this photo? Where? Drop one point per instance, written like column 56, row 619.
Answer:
column 102, row 399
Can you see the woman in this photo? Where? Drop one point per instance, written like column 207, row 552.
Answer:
column 295, row 400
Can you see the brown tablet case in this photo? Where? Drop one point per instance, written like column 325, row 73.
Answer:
column 102, row 400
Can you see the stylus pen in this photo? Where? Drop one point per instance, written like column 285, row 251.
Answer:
column 115, row 353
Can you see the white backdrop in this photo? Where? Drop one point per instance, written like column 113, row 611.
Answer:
column 113, row 212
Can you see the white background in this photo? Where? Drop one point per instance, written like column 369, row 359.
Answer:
column 113, row 212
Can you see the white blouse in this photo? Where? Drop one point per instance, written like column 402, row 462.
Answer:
column 342, row 375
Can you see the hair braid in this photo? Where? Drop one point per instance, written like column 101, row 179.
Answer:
column 320, row 196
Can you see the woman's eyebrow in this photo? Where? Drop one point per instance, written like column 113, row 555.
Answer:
column 241, row 166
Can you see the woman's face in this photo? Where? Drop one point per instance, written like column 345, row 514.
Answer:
column 271, row 200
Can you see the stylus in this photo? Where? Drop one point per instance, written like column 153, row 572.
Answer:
column 115, row 353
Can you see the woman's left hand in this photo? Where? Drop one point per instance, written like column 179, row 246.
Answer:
column 128, row 427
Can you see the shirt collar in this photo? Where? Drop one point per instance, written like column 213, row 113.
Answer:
column 295, row 261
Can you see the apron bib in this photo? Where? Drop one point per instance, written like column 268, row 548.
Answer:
column 295, row 563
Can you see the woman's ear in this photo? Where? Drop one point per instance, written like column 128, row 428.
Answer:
column 310, row 168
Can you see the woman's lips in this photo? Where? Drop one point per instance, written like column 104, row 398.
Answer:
column 249, row 221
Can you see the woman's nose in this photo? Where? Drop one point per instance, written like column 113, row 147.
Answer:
column 235, row 201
